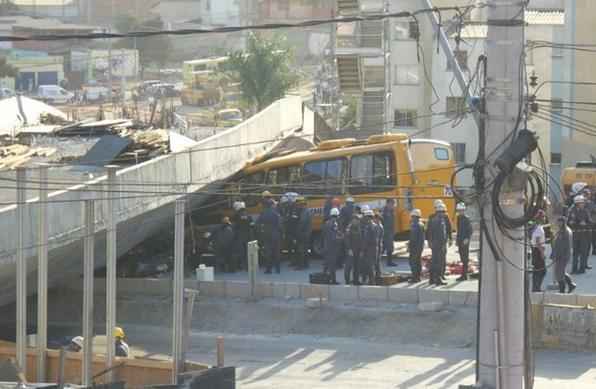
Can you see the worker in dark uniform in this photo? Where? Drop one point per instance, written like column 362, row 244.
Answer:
column 270, row 229
column 370, row 246
column 389, row 230
column 462, row 239
column 303, row 232
column 345, row 216
column 241, row 223
column 353, row 242
column 224, row 245
column 579, row 221
column 292, row 220
column 438, row 236
column 561, row 254
column 332, row 237
column 378, row 221
column 416, row 245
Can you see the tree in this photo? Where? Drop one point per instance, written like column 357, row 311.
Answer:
column 263, row 70
column 155, row 49
column 6, row 69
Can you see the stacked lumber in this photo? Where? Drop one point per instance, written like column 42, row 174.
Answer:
column 16, row 155
column 145, row 144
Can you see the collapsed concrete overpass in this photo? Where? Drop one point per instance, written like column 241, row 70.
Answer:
column 145, row 195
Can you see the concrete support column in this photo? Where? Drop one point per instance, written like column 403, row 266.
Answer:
column 21, row 319
column 42, row 275
column 177, row 323
column 88, row 270
column 111, row 257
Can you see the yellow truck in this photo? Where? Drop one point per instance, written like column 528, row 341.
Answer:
column 201, row 82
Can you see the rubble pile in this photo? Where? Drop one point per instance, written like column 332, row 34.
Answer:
column 16, row 155
column 145, row 144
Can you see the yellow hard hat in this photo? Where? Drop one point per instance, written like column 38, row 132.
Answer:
column 119, row 333
column 266, row 194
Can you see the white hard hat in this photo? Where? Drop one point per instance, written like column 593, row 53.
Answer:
column 238, row 205
column 578, row 187
column 460, row 207
column 416, row 212
column 437, row 202
column 364, row 209
column 368, row 212
column 579, row 199
column 283, row 199
column 350, row 200
column 334, row 212
column 291, row 196
column 78, row 340
column 441, row 207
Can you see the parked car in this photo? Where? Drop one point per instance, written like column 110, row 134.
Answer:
column 54, row 94
column 6, row 92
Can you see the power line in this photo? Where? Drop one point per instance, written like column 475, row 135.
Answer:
column 228, row 29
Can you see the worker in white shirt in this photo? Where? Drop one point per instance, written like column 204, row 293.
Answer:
column 538, row 241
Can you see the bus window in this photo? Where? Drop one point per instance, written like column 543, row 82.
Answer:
column 441, row 153
column 324, row 176
column 372, row 173
column 285, row 179
column 314, row 175
column 335, row 176
column 250, row 187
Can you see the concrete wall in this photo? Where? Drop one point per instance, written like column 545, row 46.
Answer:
column 146, row 191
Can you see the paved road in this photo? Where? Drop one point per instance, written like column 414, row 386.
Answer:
column 298, row 361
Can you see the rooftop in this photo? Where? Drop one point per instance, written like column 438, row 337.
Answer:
column 535, row 17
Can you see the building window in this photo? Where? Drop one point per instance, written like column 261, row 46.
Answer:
column 555, row 158
column 405, row 118
column 406, row 75
column 461, row 56
column 459, row 150
column 456, row 106
column 403, row 30
column 557, row 104
column 372, row 173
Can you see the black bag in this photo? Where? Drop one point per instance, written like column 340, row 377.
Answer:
column 319, row 278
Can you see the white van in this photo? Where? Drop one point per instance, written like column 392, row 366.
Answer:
column 54, row 94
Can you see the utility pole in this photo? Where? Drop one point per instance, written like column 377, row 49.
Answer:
column 88, row 292
column 178, row 301
column 42, row 275
column 111, row 257
column 501, row 334
column 21, row 319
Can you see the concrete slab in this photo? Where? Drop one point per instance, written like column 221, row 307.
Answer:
column 212, row 289
column 265, row 290
column 460, row 297
column 292, row 290
column 236, row 289
column 403, row 295
column 375, row 293
column 583, row 300
column 309, row 291
column 431, row 306
column 537, row 297
column 432, row 295
column 343, row 293
column 560, row 299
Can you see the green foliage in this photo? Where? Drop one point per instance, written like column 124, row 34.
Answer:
column 263, row 70
column 152, row 50
column 6, row 69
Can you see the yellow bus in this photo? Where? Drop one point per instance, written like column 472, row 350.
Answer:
column 415, row 172
column 582, row 172
column 201, row 81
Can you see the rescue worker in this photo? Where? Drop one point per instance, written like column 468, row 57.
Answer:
column 345, row 216
column 270, row 229
column 438, row 236
column 416, row 245
column 561, row 254
column 241, row 223
column 580, row 222
column 224, row 245
column 537, row 242
column 462, row 239
column 378, row 221
column 292, row 220
column 75, row 345
column 303, row 232
column 327, row 207
column 122, row 349
column 332, row 238
column 370, row 246
column 353, row 243
column 389, row 230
